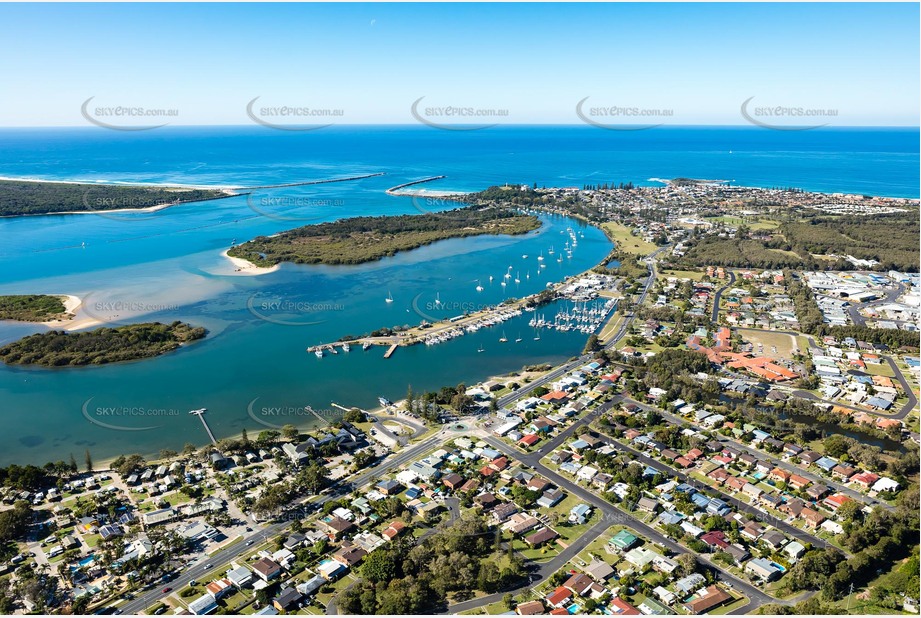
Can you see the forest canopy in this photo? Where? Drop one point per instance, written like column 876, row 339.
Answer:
column 20, row 197
column 31, row 307
column 364, row 239
column 100, row 346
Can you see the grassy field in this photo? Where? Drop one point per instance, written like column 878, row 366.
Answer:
column 611, row 327
column 693, row 275
column 761, row 224
column 785, row 344
column 626, row 241
column 883, row 369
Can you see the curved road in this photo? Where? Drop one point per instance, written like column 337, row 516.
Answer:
column 715, row 315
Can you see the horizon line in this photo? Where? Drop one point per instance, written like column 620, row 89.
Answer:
column 494, row 126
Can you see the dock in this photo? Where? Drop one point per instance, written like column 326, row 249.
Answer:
column 200, row 413
column 390, row 351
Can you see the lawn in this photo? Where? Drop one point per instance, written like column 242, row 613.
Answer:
column 883, row 369
column 785, row 344
column 693, row 275
column 761, row 224
column 626, row 241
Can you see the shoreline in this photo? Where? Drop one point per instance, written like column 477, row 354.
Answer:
column 247, row 268
column 71, row 304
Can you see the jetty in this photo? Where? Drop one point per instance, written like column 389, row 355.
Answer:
column 315, row 182
column 200, row 413
column 394, row 190
column 392, row 349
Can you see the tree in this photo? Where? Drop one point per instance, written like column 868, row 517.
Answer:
column 380, row 566
column 410, row 399
column 509, row 601
column 73, row 463
column 289, row 432
column 593, row 344
column 89, row 461
column 313, row 477
column 320, row 547
column 687, row 564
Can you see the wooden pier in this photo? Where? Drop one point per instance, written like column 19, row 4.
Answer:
column 201, row 414
column 392, row 349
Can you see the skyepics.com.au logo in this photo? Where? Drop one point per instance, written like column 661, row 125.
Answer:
column 621, row 117
column 292, row 117
column 288, row 312
column 124, row 207
column 294, row 207
column 785, row 117
column 122, row 417
column 428, row 309
column 276, row 416
column 123, row 310
column 439, row 205
column 455, row 117
column 126, row 117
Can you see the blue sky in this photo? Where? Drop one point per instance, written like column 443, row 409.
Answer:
column 698, row 61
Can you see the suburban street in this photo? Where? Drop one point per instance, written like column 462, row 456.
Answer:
column 777, row 461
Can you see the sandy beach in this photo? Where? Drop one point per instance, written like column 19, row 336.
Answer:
column 245, row 267
column 71, row 304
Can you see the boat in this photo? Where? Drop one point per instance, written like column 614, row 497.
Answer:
column 490, row 277
column 524, row 257
column 540, row 258
column 503, row 338
column 517, row 277
column 389, row 298
column 480, row 349
column 551, row 250
column 479, row 288
column 346, row 347
column 537, row 336
column 437, row 300
column 518, row 340
column 333, row 349
column 318, row 352
column 384, row 402
column 365, row 345
column 503, row 284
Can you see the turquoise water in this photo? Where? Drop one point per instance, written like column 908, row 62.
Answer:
column 253, row 371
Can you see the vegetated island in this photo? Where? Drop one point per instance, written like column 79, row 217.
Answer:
column 33, row 308
column 27, row 197
column 100, row 346
column 365, row 239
